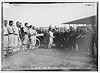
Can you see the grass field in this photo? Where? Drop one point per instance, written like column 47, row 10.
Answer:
column 46, row 59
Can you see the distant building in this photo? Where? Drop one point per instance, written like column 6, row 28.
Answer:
column 90, row 21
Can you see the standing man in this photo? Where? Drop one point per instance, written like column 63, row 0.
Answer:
column 46, row 38
column 5, row 38
column 19, row 25
column 11, row 36
column 32, row 33
column 50, row 38
column 74, row 39
column 26, row 32
column 78, row 38
column 57, row 38
column 66, row 38
column 71, row 34
column 16, row 35
column 21, row 33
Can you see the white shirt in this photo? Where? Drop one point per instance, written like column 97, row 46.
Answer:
column 15, row 29
column 51, row 34
column 32, row 32
column 25, row 29
column 10, row 29
column 5, row 30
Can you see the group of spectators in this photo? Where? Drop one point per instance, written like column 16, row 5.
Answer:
column 83, row 38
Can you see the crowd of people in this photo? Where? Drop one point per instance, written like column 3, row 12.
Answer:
column 16, row 37
column 83, row 38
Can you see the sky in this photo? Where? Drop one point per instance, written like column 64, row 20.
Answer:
column 43, row 15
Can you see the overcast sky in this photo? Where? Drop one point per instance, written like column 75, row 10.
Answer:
column 48, row 14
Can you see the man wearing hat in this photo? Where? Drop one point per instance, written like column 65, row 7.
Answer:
column 26, row 32
column 11, row 36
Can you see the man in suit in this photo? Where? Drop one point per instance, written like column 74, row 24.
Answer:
column 46, row 38
column 26, row 39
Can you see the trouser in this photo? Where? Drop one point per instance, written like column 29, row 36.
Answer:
column 50, row 42
column 25, row 42
column 86, row 44
column 57, row 42
column 89, row 45
column 33, row 41
column 81, row 45
column 78, row 41
column 25, row 39
column 66, row 43
column 11, row 43
column 42, row 40
column 46, row 42
column 73, row 43
column 15, row 43
column 11, row 40
column 5, row 45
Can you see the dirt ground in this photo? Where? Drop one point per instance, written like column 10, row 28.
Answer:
column 46, row 59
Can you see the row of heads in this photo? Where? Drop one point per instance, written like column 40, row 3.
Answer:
column 18, row 24
column 11, row 22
